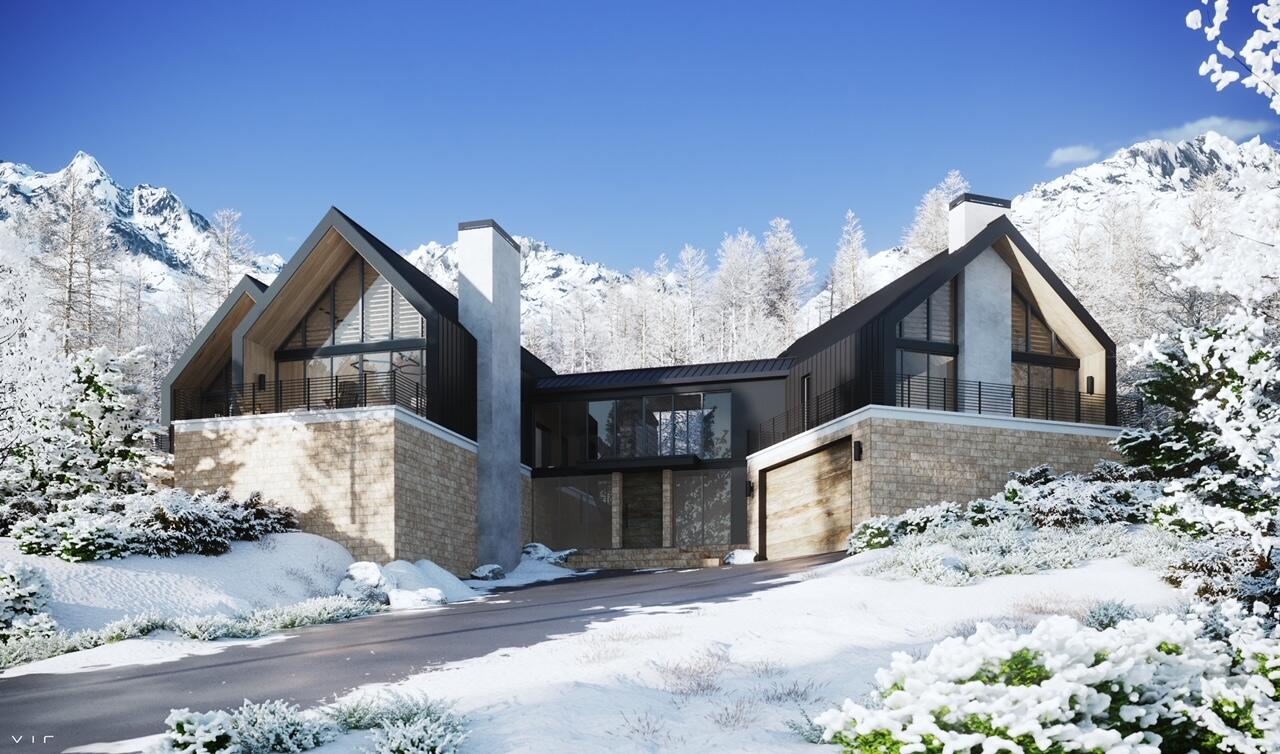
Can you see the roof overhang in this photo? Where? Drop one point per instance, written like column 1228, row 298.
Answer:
column 214, row 341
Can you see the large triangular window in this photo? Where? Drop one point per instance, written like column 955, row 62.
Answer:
column 1031, row 334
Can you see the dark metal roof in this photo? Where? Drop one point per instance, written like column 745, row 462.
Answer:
column 852, row 319
column 932, row 273
column 725, row 371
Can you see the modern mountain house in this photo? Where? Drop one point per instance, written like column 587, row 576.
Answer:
column 408, row 422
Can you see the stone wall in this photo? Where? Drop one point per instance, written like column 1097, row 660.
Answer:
column 383, row 482
column 814, row 493
column 916, row 463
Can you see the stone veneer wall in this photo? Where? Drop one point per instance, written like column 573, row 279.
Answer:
column 914, row 463
column 910, row 458
column 382, row 481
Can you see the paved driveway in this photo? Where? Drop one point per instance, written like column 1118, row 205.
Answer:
column 318, row 662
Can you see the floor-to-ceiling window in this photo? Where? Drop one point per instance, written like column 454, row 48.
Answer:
column 926, row 353
column 1045, row 371
column 361, row 343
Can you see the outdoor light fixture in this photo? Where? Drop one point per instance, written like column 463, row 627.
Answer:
column 1089, row 385
column 751, row 488
column 857, row 450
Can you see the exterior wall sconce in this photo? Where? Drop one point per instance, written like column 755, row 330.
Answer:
column 262, row 382
column 857, row 450
column 1089, row 385
column 751, row 488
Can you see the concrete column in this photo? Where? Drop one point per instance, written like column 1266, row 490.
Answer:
column 489, row 308
column 668, row 508
column 617, row 509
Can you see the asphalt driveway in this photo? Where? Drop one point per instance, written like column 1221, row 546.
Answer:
column 321, row 661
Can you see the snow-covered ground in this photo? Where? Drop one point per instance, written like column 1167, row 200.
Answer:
column 277, row 570
column 727, row 676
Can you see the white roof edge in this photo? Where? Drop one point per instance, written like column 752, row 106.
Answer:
column 295, row 418
column 934, row 416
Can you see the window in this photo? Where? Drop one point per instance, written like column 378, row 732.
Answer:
column 933, row 320
column 658, row 426
column 926, row 380
column 702, row 507
column 651, row 426
column 688, row 425
column 600, row 430
column 575, row 511
column 377, row 306
column 1031, row 334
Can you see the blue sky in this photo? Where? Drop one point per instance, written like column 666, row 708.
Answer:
column 616, row 131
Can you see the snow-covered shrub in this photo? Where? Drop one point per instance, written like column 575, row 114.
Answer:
column 364, row 711
column 365, row 581
column 73, row 535
column 161, row 523
column 963, row 553
column 277, row 726
column 312, row 612
column 1142, row 686
column 428, row 735
column 872, row 534
column 1226, row 567
column 190, row 732
column 1107, row 613
column 24, row 602
column 740, row 557
column 1072, row 500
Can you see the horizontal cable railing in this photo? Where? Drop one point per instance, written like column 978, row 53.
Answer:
column 943, row 394
column 306, row 394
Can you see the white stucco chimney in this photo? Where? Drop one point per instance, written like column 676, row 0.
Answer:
column 969, row 214
column 983, row 291
column 489, row 308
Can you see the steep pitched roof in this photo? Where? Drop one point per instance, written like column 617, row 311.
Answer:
column 724, row 371
column 248, row 286
column 417, row 287
column 927, row 277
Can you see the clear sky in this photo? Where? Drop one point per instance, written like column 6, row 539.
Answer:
column 612, row 130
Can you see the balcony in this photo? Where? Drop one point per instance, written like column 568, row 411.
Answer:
column 308, row 394
column 962, row 396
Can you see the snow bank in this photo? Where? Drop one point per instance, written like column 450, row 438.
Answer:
column 740, row 557
column 402, row 584
column 538, row 563
column 278, row 570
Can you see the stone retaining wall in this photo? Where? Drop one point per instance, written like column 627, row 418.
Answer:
column 385, row 483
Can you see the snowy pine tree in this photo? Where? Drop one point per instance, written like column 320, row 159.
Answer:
column 787, row 277
column 847, row 283
column 928, row 232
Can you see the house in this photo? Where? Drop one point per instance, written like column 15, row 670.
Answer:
column 407, row 422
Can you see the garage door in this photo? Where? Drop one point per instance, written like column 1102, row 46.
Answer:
column 808, row 503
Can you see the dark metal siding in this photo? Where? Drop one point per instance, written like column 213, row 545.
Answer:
column 455, row 370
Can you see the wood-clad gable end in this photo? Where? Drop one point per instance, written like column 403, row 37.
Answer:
column 342, row 298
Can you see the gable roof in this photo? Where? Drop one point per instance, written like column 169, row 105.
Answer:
column 416, row 286
column 925, row 278
column 248, row 286
column 724, row 371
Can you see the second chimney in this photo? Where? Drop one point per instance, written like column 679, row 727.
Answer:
column 969, row 214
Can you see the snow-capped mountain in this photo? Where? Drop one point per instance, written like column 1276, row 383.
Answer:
column 1153, row 180
column 148, row 221
column 547, row 277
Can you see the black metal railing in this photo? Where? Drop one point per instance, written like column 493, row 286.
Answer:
column 942, row 394
column 307, row 394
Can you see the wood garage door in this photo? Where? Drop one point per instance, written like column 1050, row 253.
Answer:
column 808, row 503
